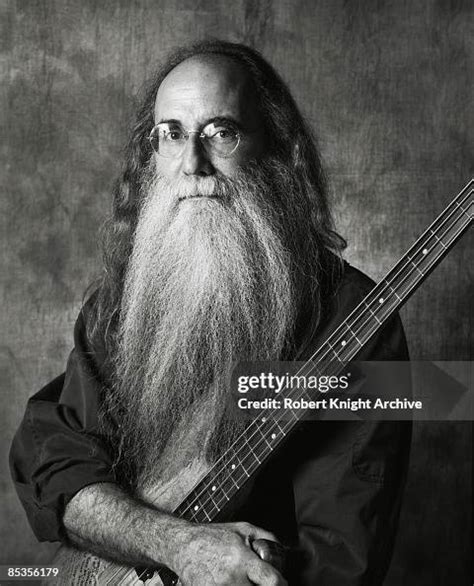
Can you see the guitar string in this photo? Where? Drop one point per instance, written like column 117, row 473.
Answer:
column 329, row 351
column 259, row 428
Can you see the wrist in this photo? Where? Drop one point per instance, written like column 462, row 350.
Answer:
column 170, row 537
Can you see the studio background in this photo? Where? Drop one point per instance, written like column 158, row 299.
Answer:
column 388, row 88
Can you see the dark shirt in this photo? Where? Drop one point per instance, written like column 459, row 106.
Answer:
column 334, row 490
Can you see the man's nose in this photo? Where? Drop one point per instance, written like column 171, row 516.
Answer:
column 195, row 160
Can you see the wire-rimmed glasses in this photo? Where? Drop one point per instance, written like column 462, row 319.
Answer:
column 169, row 139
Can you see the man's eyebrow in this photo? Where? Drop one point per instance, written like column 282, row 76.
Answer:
column 169, row 121
column 214, row 120
column 225, row 120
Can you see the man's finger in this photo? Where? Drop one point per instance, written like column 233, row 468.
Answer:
column 263, row 534
column 271, row 552
column 259, row 572
column 250, row 533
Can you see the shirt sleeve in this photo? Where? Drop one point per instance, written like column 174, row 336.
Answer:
column 348, row 482
column 57, row 449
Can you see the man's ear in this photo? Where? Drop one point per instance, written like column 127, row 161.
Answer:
column 296, row 151
column 296, row 154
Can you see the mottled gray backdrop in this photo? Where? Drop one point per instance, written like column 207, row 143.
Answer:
column 388, row 86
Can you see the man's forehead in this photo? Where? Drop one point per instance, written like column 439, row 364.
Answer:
column 207, row 86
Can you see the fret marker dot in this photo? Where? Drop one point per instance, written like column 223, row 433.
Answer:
column 213, row 488
column 196, row 508
column 233, row 466
column 343, row 343
column 263, row 419
column 273, row 435
column 425, row 251
column 381, row 300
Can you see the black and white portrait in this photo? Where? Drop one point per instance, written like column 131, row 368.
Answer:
column 191, row 185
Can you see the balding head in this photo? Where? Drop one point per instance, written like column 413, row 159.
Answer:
column 203, row 90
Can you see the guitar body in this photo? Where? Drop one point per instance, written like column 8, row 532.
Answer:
column 82, row 568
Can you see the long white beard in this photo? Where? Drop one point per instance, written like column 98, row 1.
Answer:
column 210, row 281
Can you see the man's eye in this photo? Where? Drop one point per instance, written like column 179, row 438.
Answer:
column 174, row 135
column 224, row 135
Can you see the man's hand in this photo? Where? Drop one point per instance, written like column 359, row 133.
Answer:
column 221, row 554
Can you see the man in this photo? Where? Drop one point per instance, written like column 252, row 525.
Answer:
column 221, row 248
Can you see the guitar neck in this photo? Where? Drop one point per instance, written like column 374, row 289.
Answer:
column 263, row 436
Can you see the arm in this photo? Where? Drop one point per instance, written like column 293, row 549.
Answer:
column 105, row 520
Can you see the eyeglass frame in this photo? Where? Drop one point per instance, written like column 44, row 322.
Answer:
column 202, row 136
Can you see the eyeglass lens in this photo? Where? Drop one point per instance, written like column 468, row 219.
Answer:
column 171, row 142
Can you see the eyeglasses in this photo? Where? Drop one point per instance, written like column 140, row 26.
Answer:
column 169, row 140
